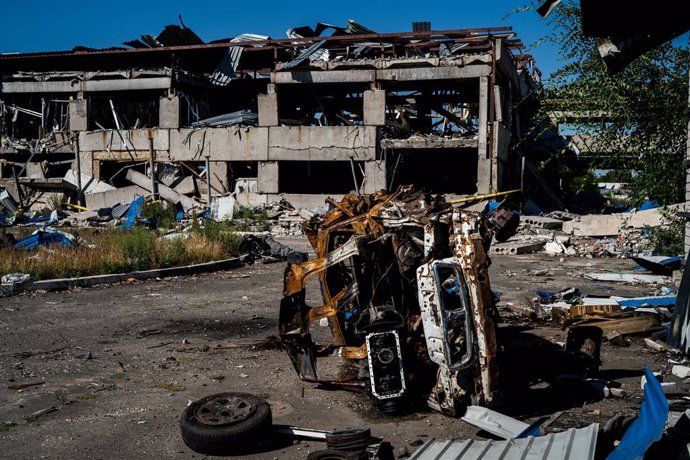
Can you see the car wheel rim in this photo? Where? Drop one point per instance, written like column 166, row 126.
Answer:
column 224, row 410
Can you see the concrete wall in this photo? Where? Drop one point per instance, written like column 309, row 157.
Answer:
column 78, row 117
column 169, row 112
column 308, row 201
column 322, row 143
column 268, row 109
column 124, row 140
column 375, row 108
column 268, row 177
column 220, row 144
column 375, row 176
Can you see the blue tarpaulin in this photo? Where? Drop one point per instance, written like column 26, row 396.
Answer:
column 43, row 238
column 648, row 204
column 656, row 301
column 648, row 427
column 133, row 213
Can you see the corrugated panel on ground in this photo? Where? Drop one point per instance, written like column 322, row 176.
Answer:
column 574, row 444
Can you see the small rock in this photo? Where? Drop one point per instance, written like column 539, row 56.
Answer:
column 681, row 371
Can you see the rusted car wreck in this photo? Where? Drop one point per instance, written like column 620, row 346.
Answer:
column 407, row 306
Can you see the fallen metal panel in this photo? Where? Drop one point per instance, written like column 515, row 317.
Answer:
column 680, row 328
column 648, row 427
column 627, row 278
column 304, row 55
column 494, row 422
column 574, row 444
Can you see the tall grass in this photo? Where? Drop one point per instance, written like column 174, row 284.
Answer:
column 119, row 251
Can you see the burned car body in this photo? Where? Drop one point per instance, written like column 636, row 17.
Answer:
column 406, row 304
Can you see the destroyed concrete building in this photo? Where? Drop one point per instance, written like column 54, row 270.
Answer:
column 301, row 118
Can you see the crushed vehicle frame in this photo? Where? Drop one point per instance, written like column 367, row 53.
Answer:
column 406, row 299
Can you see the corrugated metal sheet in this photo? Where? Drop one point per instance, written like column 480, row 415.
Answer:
column 574, row 444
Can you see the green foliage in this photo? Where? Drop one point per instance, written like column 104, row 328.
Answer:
column 248, row 219
column 171, row 253
column 137, row 247
column 637, row 116
column 222, row 232
column 668, row 240
column 160, row 213
column 246, row 212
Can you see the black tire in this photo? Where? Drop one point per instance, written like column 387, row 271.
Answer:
column 333, row 454
column 225, row 423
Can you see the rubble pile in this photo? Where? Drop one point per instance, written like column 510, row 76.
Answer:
column 594, row 235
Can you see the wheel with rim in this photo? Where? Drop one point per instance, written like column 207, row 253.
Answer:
column 224, row 423
column 334, row 454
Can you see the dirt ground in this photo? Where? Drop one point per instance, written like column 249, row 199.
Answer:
column 117, row 364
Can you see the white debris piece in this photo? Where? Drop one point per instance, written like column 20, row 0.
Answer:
column 681, row 371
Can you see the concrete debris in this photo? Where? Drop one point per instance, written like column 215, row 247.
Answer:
column 519, row 245
column 681, row 371
column 544, row 222
column 88, row 184
column 598, row 225
column 165, row 192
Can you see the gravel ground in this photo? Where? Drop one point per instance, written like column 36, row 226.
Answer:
column 116, row 365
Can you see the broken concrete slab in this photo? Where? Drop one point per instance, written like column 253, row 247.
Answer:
column 88, row 184
column 185, row 187
column 516, row 246
column 681, row 371
column 548, row 223
column 113, row 197
column 164, row 191
column 599, row 225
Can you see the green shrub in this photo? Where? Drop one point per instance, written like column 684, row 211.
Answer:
column 160, row 213
column 137, row 248
column 668, row 240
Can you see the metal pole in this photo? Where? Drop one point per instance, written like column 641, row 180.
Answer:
column 80, row 192
column 152, row 166
column 208, row 179
column 522, row 174
column 354, row 176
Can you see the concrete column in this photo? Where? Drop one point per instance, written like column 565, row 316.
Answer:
column 375, row 107
column 268, row 109
column 375, row 176
column 78, row 116
column 219, row 176
column 169, row 112
column 267, row 177
column 486, row 168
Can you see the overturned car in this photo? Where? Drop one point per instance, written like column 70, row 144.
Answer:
column 406, row 307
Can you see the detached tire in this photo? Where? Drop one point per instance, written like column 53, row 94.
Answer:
column 334, row 454
column 225, row 423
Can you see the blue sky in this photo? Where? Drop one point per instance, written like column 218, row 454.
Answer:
column 41, row 25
